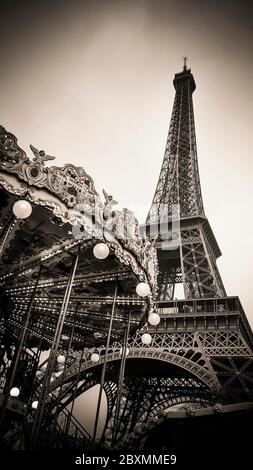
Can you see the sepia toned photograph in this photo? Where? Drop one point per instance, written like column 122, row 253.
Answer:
column 126, row 304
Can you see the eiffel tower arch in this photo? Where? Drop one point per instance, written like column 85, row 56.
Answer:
column 199, row 360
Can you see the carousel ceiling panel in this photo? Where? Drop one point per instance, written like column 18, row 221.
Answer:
column 33, row 235
column 88, row 311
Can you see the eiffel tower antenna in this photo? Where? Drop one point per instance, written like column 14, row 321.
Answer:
column 185, row 63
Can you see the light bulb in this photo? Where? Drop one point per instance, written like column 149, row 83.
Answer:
column 61, row 359
column 146, row 338
column 143, row 289
column 154, row 319
column 22, row 209
column 94, row 357
column 101, row 251
column 14, row 392
column 35, row 405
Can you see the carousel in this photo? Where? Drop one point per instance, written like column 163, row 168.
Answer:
column 77, row 280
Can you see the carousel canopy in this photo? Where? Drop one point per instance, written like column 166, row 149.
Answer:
column 67, row 217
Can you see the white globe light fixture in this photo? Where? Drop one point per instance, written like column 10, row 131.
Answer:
column 35, row 404
column 61, row 359
column 154, row 319
column 121, row 351
column 94, row 357
column 14, row 392
column 22, row 209
column 146, row 338
column 101, row 251
column 143, row 289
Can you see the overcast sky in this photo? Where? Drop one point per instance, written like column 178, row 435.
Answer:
column 91, row 83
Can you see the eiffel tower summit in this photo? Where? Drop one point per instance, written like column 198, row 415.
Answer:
column 128, row 324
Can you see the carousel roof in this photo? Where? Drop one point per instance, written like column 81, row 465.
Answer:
column 68, row 216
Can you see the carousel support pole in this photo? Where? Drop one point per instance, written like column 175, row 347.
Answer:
column 21, row 342
column 66, row 429
column 104, row 364
column 53, row 355
column 120, row 381
column 38, row 353
column 12, row 223
column 65, row 367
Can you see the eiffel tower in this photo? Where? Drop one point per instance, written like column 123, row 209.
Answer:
column 200, row 360
column 198, row 368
